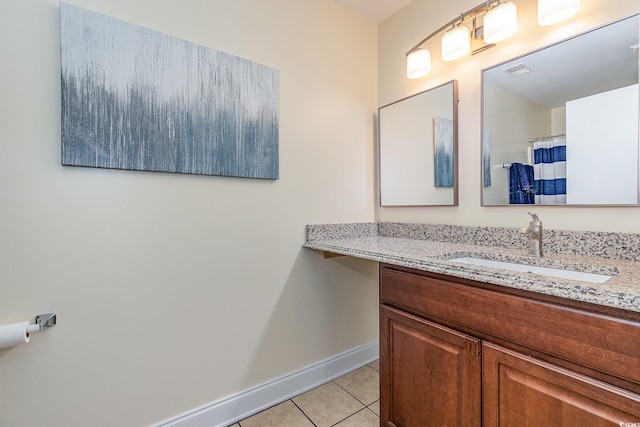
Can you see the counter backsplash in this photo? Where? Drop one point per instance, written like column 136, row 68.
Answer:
column 620, row 246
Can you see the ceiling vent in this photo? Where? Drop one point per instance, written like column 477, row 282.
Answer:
column 517, row 70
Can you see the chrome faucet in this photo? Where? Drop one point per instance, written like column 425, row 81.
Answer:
column 534, row 233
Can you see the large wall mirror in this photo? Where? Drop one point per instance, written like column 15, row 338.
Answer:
column 560, row 125
column 418, row 149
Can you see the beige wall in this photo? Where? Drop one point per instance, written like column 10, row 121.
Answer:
column 406, row 28
column 173, row 291
column 510, row 117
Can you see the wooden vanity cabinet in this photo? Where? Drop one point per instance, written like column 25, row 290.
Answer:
column 454, row 352
column 431, row 373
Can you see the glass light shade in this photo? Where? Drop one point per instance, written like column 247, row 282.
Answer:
column 455, row 43
column 553, row 11
column 418, row 63
column 500, row 23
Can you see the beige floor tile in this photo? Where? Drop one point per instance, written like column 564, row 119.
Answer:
column 327, row 404
column 284, row 414
column 364, row 418
column 375, row 407
column 375, row 365
column 363, row 383
column 235, row 425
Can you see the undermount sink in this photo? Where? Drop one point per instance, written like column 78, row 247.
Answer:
column 545, row 271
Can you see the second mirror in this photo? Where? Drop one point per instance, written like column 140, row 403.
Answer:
column 418, row 149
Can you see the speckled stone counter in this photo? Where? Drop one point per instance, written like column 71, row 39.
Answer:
column 430, row 247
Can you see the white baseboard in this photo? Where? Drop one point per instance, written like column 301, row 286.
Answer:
column 232, row 409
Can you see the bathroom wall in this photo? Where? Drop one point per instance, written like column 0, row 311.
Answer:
column 406, row 28
column 174, row 291
column 521, row 118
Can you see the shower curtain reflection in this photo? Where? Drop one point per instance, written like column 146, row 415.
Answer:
column 550, row 170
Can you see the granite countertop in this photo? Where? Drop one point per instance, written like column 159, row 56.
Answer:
column 365, row 241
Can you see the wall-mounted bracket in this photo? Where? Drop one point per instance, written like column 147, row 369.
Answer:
column 46, row 320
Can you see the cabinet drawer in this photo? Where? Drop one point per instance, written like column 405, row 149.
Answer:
column 602, row 343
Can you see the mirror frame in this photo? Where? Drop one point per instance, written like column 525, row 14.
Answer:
column 454, row 115
column 482, row 123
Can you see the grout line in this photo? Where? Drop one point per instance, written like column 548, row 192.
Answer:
column 357, row 412
column 351, row 394
column 346, row 418
column 369, row 408
column 378, row 416
column 365, row 406
column 303, row 413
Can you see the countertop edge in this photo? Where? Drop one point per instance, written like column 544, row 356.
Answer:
column 433, row 257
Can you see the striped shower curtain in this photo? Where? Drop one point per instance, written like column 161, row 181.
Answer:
column 550, row 171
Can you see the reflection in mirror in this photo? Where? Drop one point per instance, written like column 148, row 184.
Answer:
column 418, row 149
column 560, row 125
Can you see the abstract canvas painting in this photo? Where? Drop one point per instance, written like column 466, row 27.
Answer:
column 486, row 159
column 133, row 98
column 443, row 151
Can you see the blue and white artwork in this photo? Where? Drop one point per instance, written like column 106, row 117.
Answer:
column 133, row 98
column 486, row 159
column 443, row 151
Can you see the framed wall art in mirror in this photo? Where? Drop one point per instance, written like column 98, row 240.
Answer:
column 418, row 138
column 560, row 125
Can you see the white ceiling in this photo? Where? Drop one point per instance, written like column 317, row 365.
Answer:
column 375, row 10
column 594, row 62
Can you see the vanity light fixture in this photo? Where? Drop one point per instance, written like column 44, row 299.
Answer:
column 418, row 63
column 553, row 11
column 493, row 21
column 456, row 43
column 500, row 23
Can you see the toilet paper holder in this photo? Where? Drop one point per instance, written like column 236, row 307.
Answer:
column 46, row 320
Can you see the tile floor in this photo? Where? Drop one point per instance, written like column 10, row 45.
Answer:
column 352, row 400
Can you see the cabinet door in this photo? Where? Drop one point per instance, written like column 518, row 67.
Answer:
column 518, row 390
column 429, row 374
